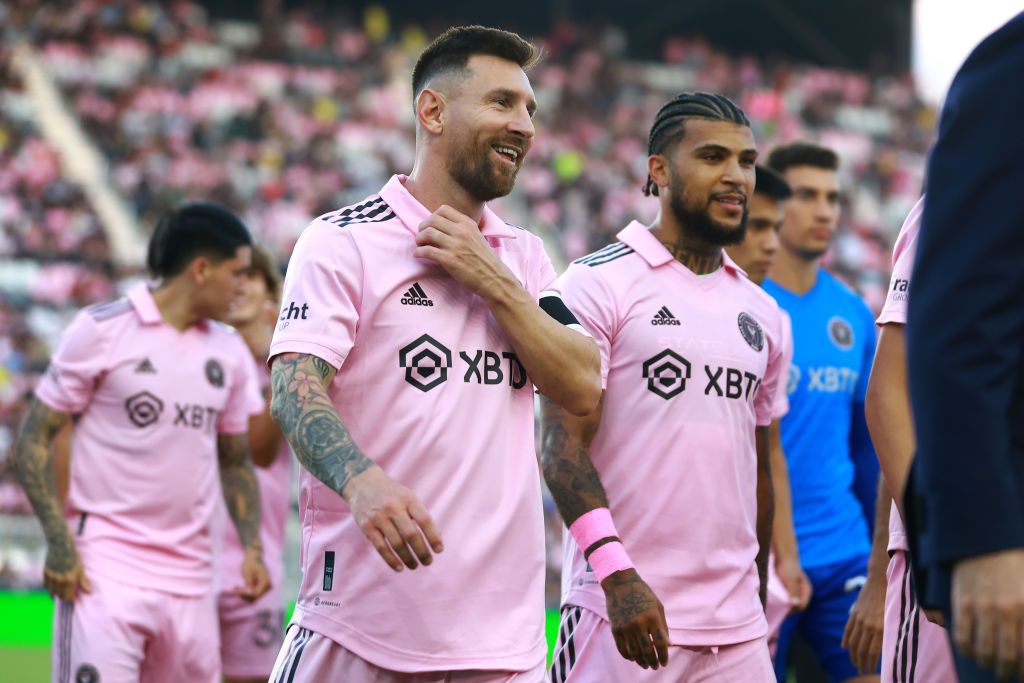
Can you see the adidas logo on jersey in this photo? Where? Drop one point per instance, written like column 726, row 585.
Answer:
column 145, row 366
column 416, row 296
column 665, row 317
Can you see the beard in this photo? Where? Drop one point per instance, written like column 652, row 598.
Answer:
column 471, row 167
column 698, row 220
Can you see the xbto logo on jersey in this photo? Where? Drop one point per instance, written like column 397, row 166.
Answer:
column 666, row 374
column 841, row 333
column 143, row 408
column 426, row 362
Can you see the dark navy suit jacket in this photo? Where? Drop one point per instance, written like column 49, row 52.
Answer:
column 965, row 344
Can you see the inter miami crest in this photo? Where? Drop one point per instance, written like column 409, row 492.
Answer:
column 87, row 673
column 751, row 331
column 841, row 333
column 214, row 373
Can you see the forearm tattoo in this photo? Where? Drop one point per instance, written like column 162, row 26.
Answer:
column 34, row 469
column 570, row 476
column 310, row 422
column 241, row 492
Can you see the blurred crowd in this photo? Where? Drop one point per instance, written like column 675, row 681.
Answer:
column 184, row 108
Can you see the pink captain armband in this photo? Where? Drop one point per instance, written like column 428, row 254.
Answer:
column 590, row 528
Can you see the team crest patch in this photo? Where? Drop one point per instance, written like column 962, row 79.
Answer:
column 87, row 673
column 751, row 331
column 214, row 373
column 841, row 333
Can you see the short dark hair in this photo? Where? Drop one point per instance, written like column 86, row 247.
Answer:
column 771, row 184
column 785, row 157
column 193, row 230
column 265, row 265
column 670, row 123
column 450, row 52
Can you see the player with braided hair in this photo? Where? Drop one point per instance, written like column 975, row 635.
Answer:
column 666, row 487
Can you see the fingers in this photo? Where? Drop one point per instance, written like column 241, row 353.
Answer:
column 412, row 537
column 660, row 637
column 871, row 653
column 433, row 237
column 83, row 581
column 426, row 523
column 851, row 633
column 963, row 626
column 621, row 645
column 431, row 253
column 1007, row 652
column 383, row 549
column 985, row 628
column 65, row 585
column 397, row 542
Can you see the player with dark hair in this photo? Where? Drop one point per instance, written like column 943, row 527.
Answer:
column 666, row 487
column 251, row 632
column 833, row 471
column 413, row 329
column 789, row 589
column 159, row 395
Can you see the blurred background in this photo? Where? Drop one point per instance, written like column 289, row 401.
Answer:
column 113, row 111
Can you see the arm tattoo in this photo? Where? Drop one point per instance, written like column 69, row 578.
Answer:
column 700, row 261
column 34, row 468
column 241, row 492
column 570, row 476
column 310, row 422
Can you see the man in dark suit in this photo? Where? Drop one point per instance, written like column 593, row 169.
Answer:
column 965, row 497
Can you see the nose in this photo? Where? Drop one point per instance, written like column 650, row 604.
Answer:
column 825, row 211
column 522, row 124
column 736, row 175
column 771, row 242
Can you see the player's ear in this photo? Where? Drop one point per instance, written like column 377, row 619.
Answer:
column 430, row 107
column 658, row 166
column 199, row 270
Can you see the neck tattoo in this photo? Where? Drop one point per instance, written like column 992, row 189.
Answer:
column 699, row 261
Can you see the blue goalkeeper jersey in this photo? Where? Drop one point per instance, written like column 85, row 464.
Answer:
column 833, row 347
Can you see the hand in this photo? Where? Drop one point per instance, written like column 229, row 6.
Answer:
column 796, row 582
column 637, row 619
column 393, row 519
column 63, row 573
column 453, row 241
column 863, row 634
column 255, row 577
column 988, row 611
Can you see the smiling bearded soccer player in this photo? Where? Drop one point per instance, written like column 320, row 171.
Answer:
column 677, row 452
column 413, row 324
column 160, row 392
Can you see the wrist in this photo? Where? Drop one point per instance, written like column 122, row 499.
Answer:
column 254, row 551
column 500, row 287
column 598, row 539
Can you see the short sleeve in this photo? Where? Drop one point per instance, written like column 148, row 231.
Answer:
column 244, row 399
column 898, row 297
column 780, row 404
column 588, row 297
column 764, row 404
column 76, row 367
column 321, row 297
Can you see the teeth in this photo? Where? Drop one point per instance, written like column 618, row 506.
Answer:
column 509, row 151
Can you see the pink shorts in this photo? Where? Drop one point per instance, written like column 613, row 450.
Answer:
column 251, row 633
column 778, row 607
column 125, row 634
column 586, row 653
column 913, row 648
column 307, row 656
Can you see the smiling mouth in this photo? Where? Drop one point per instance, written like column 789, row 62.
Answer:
column 510, row 154
column 731, row 200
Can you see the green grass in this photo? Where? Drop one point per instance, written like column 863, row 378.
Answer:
column 29, row 664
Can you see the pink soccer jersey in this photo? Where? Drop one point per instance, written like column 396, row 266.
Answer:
column 780, row 404
column 690, row 366
column 431, row 390
column 275, row 489
column 144, row 472
column 895, row 311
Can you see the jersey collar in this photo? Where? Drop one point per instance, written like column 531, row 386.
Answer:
column 145, row 306
column 639, row 238
column 411, row 213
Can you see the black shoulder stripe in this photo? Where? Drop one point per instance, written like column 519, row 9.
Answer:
column 608, row 257
column 356, row 220
column 111, row 309
column 603, row 251
column 360, row 209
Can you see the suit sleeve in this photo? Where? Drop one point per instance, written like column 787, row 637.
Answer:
column 966, row 315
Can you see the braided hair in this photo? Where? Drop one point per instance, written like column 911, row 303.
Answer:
column 669, row 124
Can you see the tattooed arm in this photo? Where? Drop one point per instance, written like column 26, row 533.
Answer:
column 242, row 497
column 765, row 507
column 63, row 574
column 389, row 514
column 636, row 615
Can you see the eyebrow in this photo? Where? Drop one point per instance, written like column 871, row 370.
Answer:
column 715, row 147
column 531, row 104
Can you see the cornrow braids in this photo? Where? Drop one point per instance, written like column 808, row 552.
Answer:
column 670, row 123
